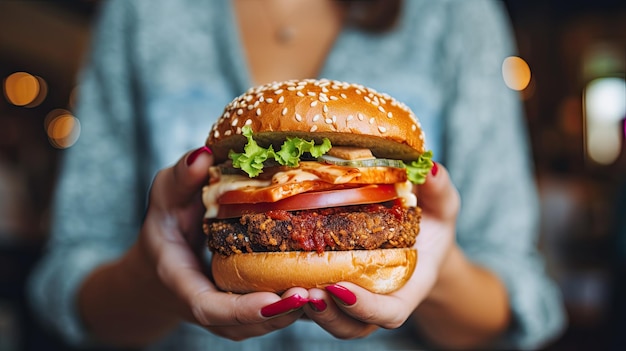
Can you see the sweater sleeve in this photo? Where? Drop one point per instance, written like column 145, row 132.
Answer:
column 90, row 222
column 487, row 154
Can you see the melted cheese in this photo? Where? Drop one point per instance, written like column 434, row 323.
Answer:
column 405, row 192
column 226, row 182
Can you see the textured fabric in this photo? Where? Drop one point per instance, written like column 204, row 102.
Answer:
column 158, row 77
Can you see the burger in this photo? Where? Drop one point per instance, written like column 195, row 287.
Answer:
column 312, row 185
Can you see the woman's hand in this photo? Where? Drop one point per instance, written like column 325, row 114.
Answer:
column 348, row 311
column 461, row 305
column 161, row 279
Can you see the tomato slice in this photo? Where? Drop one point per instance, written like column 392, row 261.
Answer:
column 272, row 193
column 368, row 194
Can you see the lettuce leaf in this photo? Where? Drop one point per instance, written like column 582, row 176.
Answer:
column 418, row 170
column 254, row 156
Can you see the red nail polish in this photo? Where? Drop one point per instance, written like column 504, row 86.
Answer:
column 435, row 169
column 343, row 294
column 283, row 306
column 194, row 155
column 318, row 305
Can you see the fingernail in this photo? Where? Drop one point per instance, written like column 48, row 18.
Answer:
column 435, row 169
column 283, row 306
column 194, row 155
column 318, row 305
column 344, row 295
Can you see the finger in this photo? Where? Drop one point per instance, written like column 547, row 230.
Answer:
column 294, row 297
column 438, row 196
column 324, row 311
column 242, row 332
column 387, row 311
column 178, row 185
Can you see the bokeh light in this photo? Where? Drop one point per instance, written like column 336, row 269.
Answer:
column 604, row 109
column 605, row 98
column 516, row 73
column 25, row 89
column 62, row 127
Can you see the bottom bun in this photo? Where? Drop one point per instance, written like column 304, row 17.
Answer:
column 380, row 271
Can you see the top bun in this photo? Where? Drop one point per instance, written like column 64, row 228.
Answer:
column 347, row 114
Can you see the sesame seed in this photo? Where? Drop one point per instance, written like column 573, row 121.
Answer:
column 313, row 103
column 281, row 99
column 269, row 100
column 360, row 116
column 284, row 111
column 358, row 92
column 372, row 120
column 328, row 120
column 334, row 98
column 300, row 94
column 248, row 98
column 262, row 98
column 298, row 118
column 381, row 109
column 316, row 117
column 413, row 127
column 226, row 114
column 248, row 122
column 325, row 108
column 350, row 117
column 311, row 93
column 367, row 99
column 291, row 88
column 216, row 134
column 250, row 107
column 343, row 95
column 279, row 91
column 238, row 131
column 240, row 112
column 258, row 111
column 313, row 128
column 235, row 121
column 325, row 90
column 389, row 114
column 228, row 132
column 382, row 129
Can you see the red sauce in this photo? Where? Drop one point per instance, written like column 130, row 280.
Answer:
column 307, row 228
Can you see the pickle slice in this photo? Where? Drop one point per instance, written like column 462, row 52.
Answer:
column 372, row 162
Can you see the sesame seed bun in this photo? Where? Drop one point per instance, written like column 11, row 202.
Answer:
column 347, row 114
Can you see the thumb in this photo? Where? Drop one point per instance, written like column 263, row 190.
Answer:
column 438, row 197
column 179, row 184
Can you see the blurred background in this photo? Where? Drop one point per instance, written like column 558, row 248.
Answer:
column 570, row 74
